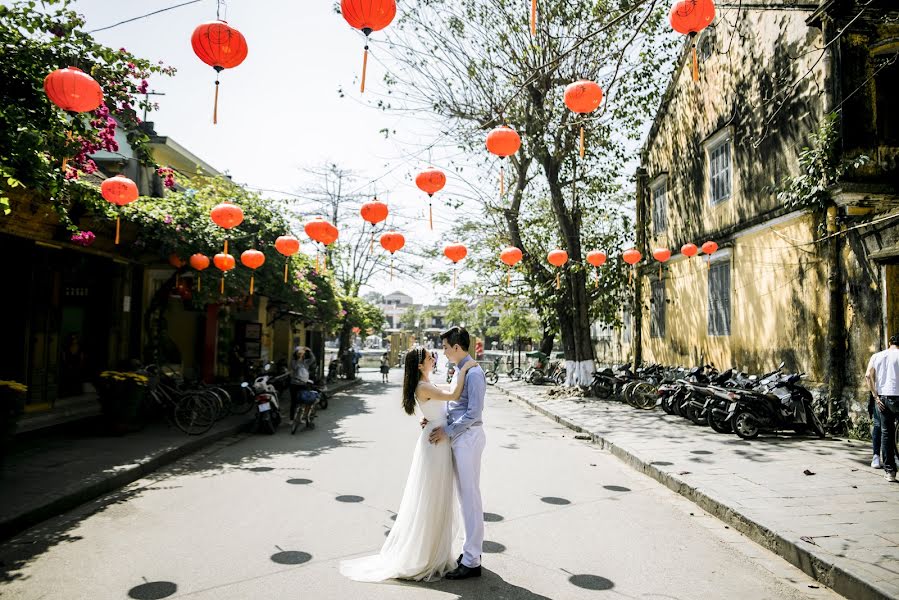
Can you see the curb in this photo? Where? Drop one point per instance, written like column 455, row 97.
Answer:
column 820, row 568
column 18, row 524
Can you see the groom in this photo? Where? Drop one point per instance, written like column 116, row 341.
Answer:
column 464, row 429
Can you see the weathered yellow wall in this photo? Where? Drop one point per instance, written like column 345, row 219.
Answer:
column 778, row 306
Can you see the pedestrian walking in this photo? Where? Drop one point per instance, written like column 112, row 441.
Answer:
column 883, row 381
column 385, row 368
column 875, row 433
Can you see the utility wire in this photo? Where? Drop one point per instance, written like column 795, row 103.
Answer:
column 155, row 12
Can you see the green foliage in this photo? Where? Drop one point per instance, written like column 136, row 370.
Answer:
column 35, row 135
column 820, row 169
column 362, row 314
column 516, row 321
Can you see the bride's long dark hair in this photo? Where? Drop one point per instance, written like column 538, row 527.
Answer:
column 414, row 357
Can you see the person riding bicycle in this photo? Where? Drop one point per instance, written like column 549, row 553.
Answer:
column 301, row 392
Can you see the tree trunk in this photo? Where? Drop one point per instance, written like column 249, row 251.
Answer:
column 637, row 306
column 345, row 349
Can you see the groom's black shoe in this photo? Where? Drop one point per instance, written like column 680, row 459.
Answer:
column 459, row 560
column 463, row 572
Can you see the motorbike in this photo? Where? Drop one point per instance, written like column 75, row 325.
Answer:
column 266, row 389
column 779, row 403
column 450, row 372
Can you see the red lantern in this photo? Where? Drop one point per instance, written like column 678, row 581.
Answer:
column 455, row 252
column 199, row 262
column 430, row 181
column 367, row 16
column 392, row 242
column 223, row 262
column 511, row 256
column 357, row 330
column 252, row 259
column 631, row 257
column 120, row 191
column 287, row 245
column 689, row 250
column 557, row 258
column 73, row 90
column 597, row 259
column 661, row 255
column 503, row 141
column 374, row 212
column 221, row 47
column 322, row 232
column 226, row 216
column 689, row 17
column 176, row 261
column 709, row 248
column 583, row 97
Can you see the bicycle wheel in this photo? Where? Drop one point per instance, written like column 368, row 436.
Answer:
column 491, row 377
column 515, row 374
column 221, row 400
column 195, row 413
column 245, row 401
column 626, row 392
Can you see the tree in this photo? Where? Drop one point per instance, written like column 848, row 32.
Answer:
column 475, row 65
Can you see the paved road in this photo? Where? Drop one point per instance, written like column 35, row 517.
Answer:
column 270, row 517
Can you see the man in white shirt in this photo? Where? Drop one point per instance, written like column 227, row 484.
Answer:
column 883, row 381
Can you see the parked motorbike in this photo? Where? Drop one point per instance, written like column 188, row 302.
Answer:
column 779, row 404
column 266, row 388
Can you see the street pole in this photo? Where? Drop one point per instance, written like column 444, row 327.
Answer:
column 640, row 219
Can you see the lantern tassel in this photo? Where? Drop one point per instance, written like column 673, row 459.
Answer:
column 508, row 277
column 118, row 228
column 215, row 108
column 199, row 283
column 431, row 215
column 695, row 64
column 454, row 277
column 222, row 287
column 583, row 147
column 65, row 160
column 597, row 278
column 533, row 17
column 285, row 272
column 558, row 281
column 364, row 68
column 391, row 268
column 660, row 271
column 251, row 284
column 502, row 181
column 630, row 276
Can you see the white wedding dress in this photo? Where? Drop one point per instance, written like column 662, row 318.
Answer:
column 420, row 544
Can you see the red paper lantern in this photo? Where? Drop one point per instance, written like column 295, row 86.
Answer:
column 318, row 229
column 287, row 245
column 252, row 259
column 224, row 262
column 511, row 256
column 632, row 256
column 661, row 255
column 597, row 259
column 221, row 47
column 226, row 216
column 583, row 97
column 430, row 181
column 689, row 250
column 120, row 191
column 73, row 90
column 689, row 17
column 709, row 248
column 392, row 242
column 375, row 211
column 357, row 330
column 503, row 141
column 199, row 262
column 557, row 258
column 367, row 16
column 455, row 252
column 176, row 261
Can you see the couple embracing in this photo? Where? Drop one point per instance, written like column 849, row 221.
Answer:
column 446, row 458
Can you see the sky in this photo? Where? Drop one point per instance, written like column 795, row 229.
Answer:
column 280, row 111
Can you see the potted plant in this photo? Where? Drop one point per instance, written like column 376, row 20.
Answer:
column 12, row 405
column 122, row 395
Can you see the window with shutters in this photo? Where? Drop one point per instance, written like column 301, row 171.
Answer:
column 657, row 317
column 719, row 169
column 719, row 298
column 659, row 207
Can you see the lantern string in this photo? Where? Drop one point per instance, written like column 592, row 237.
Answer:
column 364, row 66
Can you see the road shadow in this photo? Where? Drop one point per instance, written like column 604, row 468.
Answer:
column 490, row 586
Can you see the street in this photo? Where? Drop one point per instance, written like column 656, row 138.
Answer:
column 272, row 516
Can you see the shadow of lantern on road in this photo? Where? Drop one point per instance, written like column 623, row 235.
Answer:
column 291, row 557
column 554, row 500
column 493, row 547
column 616, row 488
column 492, row 518
column 261, row 469
column 299, row 481
column 591, row 582
column 349, row 498
column 153, row 590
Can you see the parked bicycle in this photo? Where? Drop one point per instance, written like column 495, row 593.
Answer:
column 192, row 411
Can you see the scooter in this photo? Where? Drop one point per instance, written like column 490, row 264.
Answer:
column 779, row 404
column 268, row 407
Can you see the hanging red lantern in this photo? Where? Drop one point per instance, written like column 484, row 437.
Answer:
column 503, row 141
column 221, row 47
column 709, row 248
column 223, row 262
column 597, row 259
column 455, row 252
column 511, row 256
column 367, row 16
column 689, row 250
column 557, row 258
column 226, row 216
column 533, row 17
column 356, row 330
column 287, row 245
column 252, row 259
column 583, row 97
column 661, row 255
column 689, row 17
column 120, row 191
column 73, row 90
column 176, row 261
column 392, row 242
column 374, row 212
column 199, row 262
column 321, row 231
column 430, row 181
column 631, row 257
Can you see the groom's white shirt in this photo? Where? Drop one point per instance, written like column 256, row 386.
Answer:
column 466, row 412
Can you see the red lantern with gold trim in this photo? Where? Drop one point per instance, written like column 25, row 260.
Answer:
column 583, row 97
column 430, row 181
column 709, row 248
column 503, row 141
column 557, row 258
column 73, row 90
column 226, row 216
column 221, row 47
column 252, row 259
column 662, row 255
column 631, row 257
column 689, row 250
column 120, row 191
column 511, row 256
column 199, row 262
column 323, row 232
column 287, row 246
column 455, row 252
column 597, row 259
column 392, row 242
column 374, row 212
column 224, row 262
column 689, row 17
column 367, row 16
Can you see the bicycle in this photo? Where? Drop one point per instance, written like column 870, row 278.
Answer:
column 492, row 373
column 220, row 397
column 191, row 411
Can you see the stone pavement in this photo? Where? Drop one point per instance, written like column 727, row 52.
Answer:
column 816, row 503
column 53, row 472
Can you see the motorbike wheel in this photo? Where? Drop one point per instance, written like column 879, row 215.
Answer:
column 602, row 389
column 666, row 404
column 719, row 425
column 296, row 424
column 246, row 401
column 815, row 424
column 536, row 377
column 267, row 423
column 644, row 395
column 515, row 374
column 491, row 377
column 693, row 414
column 323, row 401
column 746, row 425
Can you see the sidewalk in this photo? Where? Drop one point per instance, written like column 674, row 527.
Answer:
column 56, row 472
column 816, row 503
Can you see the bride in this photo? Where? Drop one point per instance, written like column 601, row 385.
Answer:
column 420, row 545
